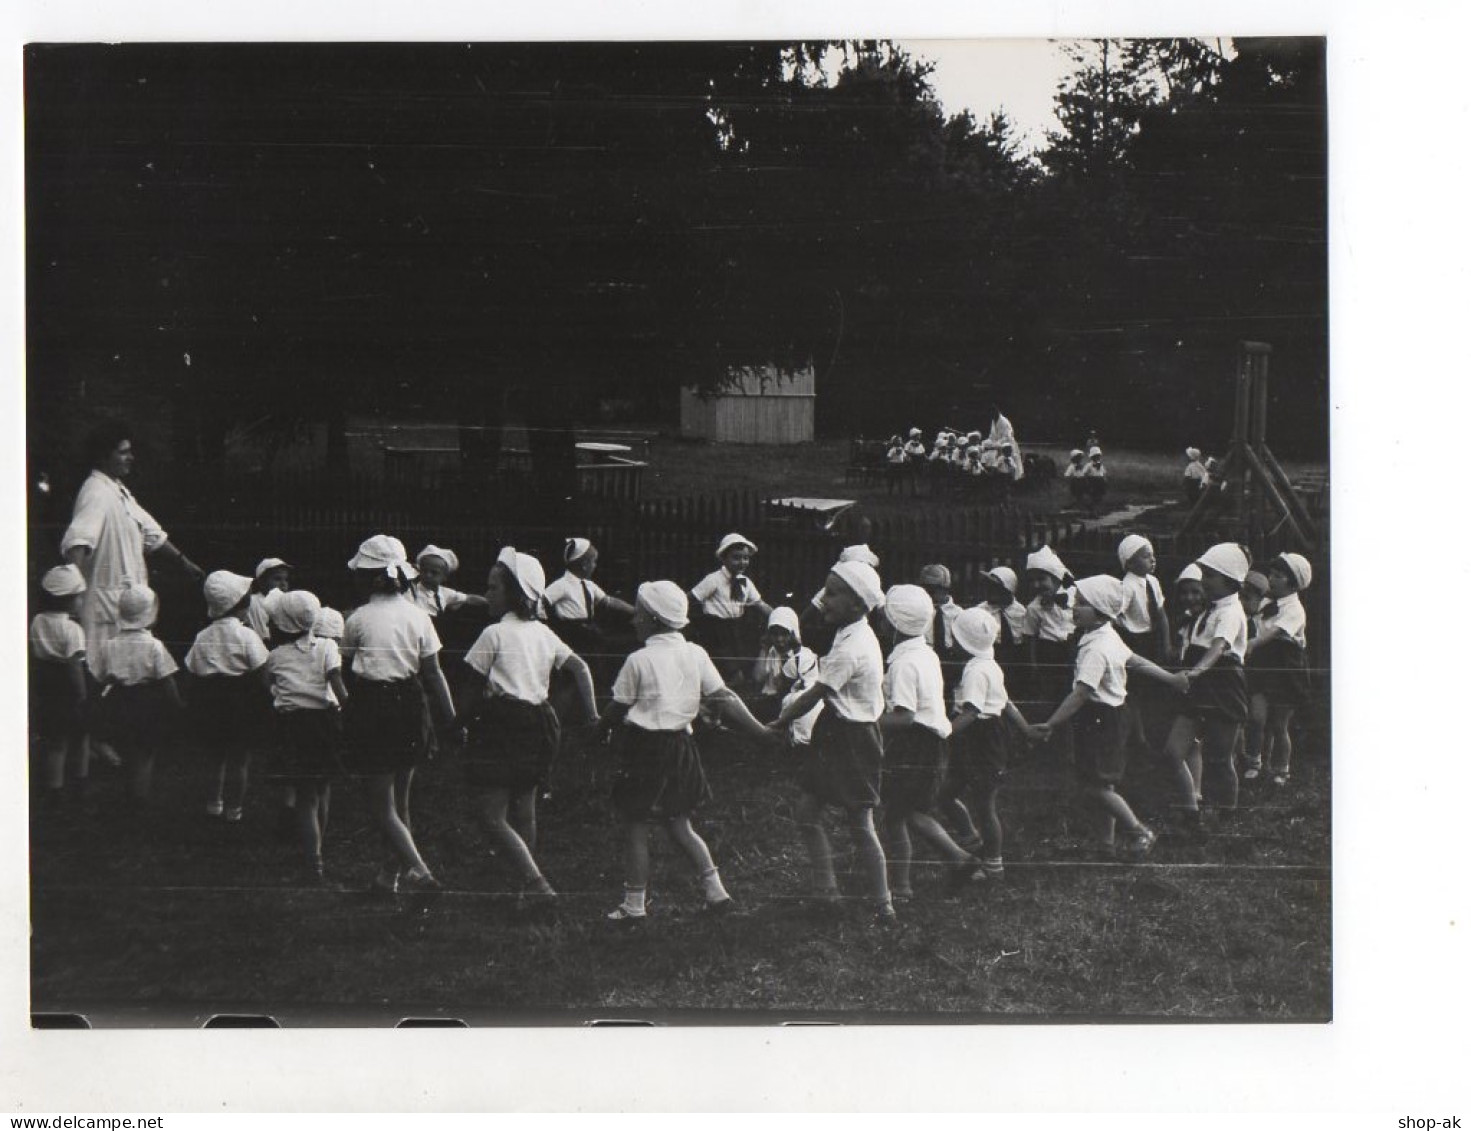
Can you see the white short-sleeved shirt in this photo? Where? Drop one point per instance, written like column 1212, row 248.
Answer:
column 135, row 656
column 226, row 647
column 57, row 637
column 853, row 673
column 1073, row 471
column 517, row 658
column 1095, row 471
column 1014, row 616
column 565, row 599
column 713, row 591
column 945, row 617
column 1224, row 620
column 388, row 638
column 1135, row 617
column 1050, row 622
column 663, row 682
column 258, row 612
column 915, row 683
column 1290, row 619
column 1195, row 470
column 983, row 687
column 299, row 673
column 436, row 601
column 1102, row 666
column 914, row 449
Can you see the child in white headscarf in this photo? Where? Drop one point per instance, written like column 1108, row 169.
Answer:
column 915, row 727
column 1096, row 709
column 1193, row 476
column 727, row 599
column 660, row 778
column 58, row 678
column 429, row 590
column 785, row 670
column 1277, row 660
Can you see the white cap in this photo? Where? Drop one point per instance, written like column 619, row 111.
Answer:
column 1046, row 561
column 527, row 572
column 66, row 581
column 909, row 609
column 137, row 607
column 224, row 590
column 266, row 564
column 1104, row 593
column 1190, row 573
column 449, row 557
column 1094, row 452
column 296, row 611
column 863, row 579
column 575, row 549
column 385, row 552
column 733, row 540
column 859, row 553
column 1004, row 576
column 1227, row 558
column 1299, row 567
column 784, row 616
column 329, row 624
column 1131, row 545
column 665, row 602
column 975, row 630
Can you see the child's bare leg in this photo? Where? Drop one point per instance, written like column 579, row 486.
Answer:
column 1114, row 810
column 1195, row 759
column 56, row 763
column 870, row 854
column 496, row 803
column 819, row 850
column 694, row 846
column 403, row 782
column 635, row 869
column 1218, row 743
column 1179, row 747
column 142, row 776
column 899, row 851
column 236, row 777
column 217, row 779
column 1256, row 729
column 308, row 828
column 383, row 811
column 934, row 834
column 953, row 810
column 324, row 807
column 991, row 833
column 1279, row 722
column 523, row 817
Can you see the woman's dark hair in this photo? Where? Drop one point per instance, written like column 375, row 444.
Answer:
column 49, row 603
column 103, row 440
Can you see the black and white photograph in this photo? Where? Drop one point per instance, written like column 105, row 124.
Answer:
column 697, row 531
column 729, row 531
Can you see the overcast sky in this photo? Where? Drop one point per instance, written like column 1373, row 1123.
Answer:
column 982, row 75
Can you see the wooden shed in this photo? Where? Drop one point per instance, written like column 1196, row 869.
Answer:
column 755, row 405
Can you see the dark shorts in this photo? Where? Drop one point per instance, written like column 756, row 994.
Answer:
column 511, row 744
column 1220, row 693
column 978, row 756
column 228, row 712
column 308, row 745
column 138, row 719
column 1100, row 744
column 658, row 774
column 844, row 762
column 383, row 727
column 1278, row 670
column 55, row 712
column 915, row 759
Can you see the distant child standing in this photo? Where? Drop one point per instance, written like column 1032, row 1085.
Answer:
column 140, row 699
column 304, row 674
column 512, row 732
column 659, row 777
column 272, row 578
column 845, row 764
column 728, row 598
column 1215, row 709
column 915, row 728
column 392, row 650
column 1193, row 477
column 1095, row 478
column 58, row 679
column 1095, row 707
column 1076, row 475
column 979, row 744
column 429, row 590
column 1277, row 660
column 225, row 694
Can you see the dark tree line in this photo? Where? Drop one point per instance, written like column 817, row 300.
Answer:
column 261, row 235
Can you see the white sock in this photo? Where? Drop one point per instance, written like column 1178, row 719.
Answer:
column 633, row 899
column 714, row 890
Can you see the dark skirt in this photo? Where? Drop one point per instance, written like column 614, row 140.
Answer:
column 844, row 763
column 228, row 712
column 915, row 760
column 383, row 727
column 978, row 755
column 1278, row 670
column 1100, row 744
column 308, row 745
column 136, row 719
column 511, row 744
column 1220, row 692
column 55, row 712
column 658, row 774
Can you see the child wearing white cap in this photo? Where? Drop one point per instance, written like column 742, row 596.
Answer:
column 140, row 699
column 58, row 678
column 1095, row 708
column 915, row 728
column 1193, row 477
column 1216, row 706
column 304, row 673
column 225, row 696
column 1277, row 660
column 390, row 646
column 659, row 776
column 786, row 668
column 1095, row 478
column 512, row 732
column 429, row 590
column 979, row 745
column 728, row 601
column 576, row 608
column 1049, row 624
column 272, row 578
column 844, row 766
column 1075, row 473
column 998, row 597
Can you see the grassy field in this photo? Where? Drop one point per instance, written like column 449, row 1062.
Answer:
column 175, row 917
